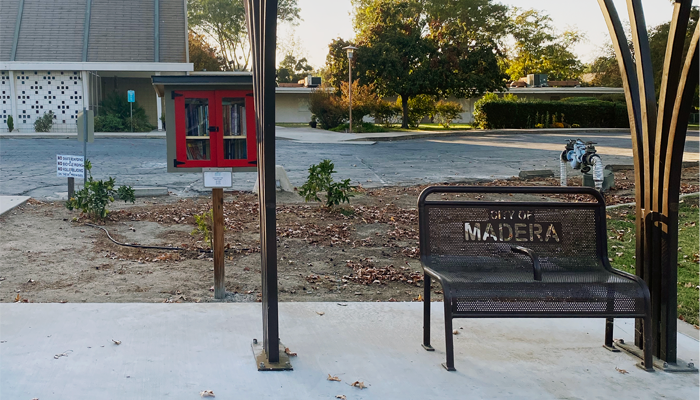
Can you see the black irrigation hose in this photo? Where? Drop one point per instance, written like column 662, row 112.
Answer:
column 139, row 246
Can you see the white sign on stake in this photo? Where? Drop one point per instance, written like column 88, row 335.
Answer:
column 218, row 177
column 70, row 166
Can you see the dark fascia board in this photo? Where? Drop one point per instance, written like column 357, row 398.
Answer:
column 184, row 82
column 195, row 80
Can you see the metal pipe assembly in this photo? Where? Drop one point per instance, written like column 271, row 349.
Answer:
column 582, row 156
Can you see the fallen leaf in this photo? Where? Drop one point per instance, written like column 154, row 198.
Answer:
column 622, row 371
column 320, row 312
column 117, row 342
column 359, row 384
column 337, row 396
column 333, row 378
column 18, row 298
column 64, row 354
column 455, row 332
column 207, row 393
column 289, row 352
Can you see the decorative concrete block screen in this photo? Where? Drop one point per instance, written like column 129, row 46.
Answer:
column 6, row 106
column 38, row 92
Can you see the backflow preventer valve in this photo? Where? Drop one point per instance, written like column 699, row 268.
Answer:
column 582, row 156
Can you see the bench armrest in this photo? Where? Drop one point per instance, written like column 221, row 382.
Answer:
column 533, row 256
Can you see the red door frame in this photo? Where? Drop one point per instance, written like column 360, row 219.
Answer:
column 181, row 128
column 251, row 152
column 216, row 141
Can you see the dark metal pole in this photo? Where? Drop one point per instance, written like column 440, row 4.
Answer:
column 350, row 89
column 261, row 20
column 71, row 187
column 85, row 139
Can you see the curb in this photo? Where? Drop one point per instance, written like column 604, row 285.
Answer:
column 9, row 203
column 74, row 136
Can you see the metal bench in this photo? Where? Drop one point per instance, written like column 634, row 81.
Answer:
column 524, row 259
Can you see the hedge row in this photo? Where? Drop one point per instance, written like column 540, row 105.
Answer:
column 501, row 114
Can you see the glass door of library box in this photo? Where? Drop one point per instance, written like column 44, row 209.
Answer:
column 215, row 128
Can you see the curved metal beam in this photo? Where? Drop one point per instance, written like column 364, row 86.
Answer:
column 667, row 95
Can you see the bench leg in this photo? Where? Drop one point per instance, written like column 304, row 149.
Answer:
column 648, row 362
column 426, row 313
column 609, row 325
column 449, row 342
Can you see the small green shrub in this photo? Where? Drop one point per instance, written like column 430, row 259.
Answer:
column 446, row 112
column 44, row 123
column 501, row 114
column 419, row 107
column 96, row 195
column 10, row 123
column 205, row 222
column 320, row 180
column 108, row 123
column 327, row 108
column 116, row 104
column 387, row 113
column 480, row 120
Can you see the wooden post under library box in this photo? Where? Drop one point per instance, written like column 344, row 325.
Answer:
column 210, row 123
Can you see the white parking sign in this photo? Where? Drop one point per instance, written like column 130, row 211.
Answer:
column 70, row 166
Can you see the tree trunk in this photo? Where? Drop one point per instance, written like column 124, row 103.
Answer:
column 404, row 106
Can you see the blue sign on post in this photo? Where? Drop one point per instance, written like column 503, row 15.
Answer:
column 131, row 96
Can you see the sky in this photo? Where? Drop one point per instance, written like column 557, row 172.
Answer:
column 324, row 20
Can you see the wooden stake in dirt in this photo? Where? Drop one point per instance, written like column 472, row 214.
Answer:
column 217, row 195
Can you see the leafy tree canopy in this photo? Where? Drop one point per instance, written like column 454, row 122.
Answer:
column 292, row 70
column 606, row 68
column 223, row 21
column 202, row 55
column 539, row 50
column 413, row 47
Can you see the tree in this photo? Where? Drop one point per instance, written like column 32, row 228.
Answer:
column 292, row 70
column 223, row 22
column 413, row 47
column 202, row 55
column 539, row 50
column 336, row 69
column 606, row 70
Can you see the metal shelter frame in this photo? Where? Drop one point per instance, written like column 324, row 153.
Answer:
column 658, row 141
column 261, row 21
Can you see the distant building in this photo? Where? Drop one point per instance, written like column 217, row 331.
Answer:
column 63, row 55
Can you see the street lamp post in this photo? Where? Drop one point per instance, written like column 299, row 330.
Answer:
column 350, row 50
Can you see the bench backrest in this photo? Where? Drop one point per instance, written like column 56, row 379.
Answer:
column 566, row 235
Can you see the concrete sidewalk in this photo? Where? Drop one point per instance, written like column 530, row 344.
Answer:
column 175, row 351
column 7, row 203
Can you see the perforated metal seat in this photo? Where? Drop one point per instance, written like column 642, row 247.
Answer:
column 524, row 259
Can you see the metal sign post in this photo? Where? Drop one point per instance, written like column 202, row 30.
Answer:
column 131, row 97
column 86, row 133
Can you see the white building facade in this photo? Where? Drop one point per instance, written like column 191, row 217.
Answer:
column 66, row 55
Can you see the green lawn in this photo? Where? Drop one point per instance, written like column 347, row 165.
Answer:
column 432, row 128
column 693, row 127
column 621, row 246
column 293, row 125
column 394, row 128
